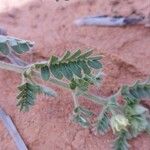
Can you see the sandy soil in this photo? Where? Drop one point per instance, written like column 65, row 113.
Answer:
column 50, row 25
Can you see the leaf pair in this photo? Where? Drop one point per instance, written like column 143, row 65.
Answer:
column 81, row 116
column 28, row 93
column 133, row 94
column 81, row 84
column 71, row 65
column 103, row 120
column 8, row 44
column 26, row 96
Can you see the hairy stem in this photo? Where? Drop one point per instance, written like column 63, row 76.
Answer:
column 16, row 60
column 12, row 67
column 94, row 98
column 59, row 83
column 75, row 100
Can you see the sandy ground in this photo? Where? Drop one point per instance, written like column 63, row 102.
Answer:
column 50, row 25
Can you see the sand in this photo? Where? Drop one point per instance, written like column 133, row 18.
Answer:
column 49, row 24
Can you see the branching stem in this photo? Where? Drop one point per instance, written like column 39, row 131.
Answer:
column 96, row 99
column 11, row 67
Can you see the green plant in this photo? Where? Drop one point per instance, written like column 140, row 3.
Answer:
column 76, row 72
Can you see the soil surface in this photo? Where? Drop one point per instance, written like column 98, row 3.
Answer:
column 49, row 24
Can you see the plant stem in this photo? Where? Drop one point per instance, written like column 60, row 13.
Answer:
column 19, row 69
column 59, row 83
column 75, row 100
column 12, row 67
column 93, row 98
column 15, row 60
column 96, row 99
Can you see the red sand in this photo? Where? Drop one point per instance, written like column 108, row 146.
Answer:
column 50, row 24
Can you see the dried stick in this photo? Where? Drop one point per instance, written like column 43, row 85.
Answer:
column 12, row 130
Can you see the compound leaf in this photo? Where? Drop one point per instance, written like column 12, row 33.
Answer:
column 27, row 96
column 19, row 46
column 133, row 94
column 28, row 93
column 73, row 65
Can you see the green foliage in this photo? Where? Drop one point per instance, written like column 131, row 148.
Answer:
column 138, row 123
column 84, row 111
column 3, row 45
column 8, row 44
column 26, row 96
column 81, row 120
column 28, row 93
column 137, row 109
column 81, row 116
column 83, row 83
column 45, row 73
column 148, row 127
column 137, row 114
column 138, row 119
column 120, row 142
column 113, row 105
column 133, row 94
column 74, row 65
column 103, row 121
